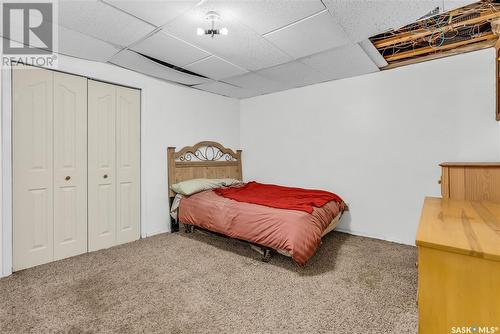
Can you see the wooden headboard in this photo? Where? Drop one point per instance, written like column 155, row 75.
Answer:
column 207, row 159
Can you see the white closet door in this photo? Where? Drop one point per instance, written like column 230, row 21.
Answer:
column 32, row 128
column 101, row 165
column 128, row 164
column 70, row 165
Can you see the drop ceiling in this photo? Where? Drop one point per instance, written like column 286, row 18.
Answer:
column 272, row 45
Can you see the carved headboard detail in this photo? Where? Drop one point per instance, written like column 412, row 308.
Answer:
column 207, row 159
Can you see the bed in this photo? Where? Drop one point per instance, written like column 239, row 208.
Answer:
column 292, row 233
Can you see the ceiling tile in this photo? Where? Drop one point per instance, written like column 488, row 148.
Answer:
column 453, row 4
column 169, row 49
column 257, row 83
column 102, row 21
column 226, row 90
column 266, row 15
column 73, row 43
column 138, row 63
column 155, row 12
column 342, row 62
column 373, row 53
column 312, row 35
column 363, row 19
column 293, row 74
column 242, row 46
column 215, row 68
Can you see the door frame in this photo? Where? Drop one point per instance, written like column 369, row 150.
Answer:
column 6, row 238
column 6, row 203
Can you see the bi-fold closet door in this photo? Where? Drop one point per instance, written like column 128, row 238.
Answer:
column 114, row 160
column 49, row 166
column 76, row 165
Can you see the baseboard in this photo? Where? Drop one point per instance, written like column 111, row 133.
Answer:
column 161, row 231
column 379, row 237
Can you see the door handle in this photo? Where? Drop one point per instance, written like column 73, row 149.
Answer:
column 67, row 178
column 105, row 176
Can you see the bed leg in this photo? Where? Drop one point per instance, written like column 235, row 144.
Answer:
column 188, row 228
column 266, row 256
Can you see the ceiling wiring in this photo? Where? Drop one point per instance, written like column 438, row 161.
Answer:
column 437, row 31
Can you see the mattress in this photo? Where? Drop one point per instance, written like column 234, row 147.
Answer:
column 331, row 227
column 291, row 232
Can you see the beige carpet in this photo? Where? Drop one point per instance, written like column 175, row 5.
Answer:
column 194, row 283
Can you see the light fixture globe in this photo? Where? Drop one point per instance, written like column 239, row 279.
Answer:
column 213, row 17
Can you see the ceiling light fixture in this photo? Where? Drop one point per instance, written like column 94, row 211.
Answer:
column 213, row 17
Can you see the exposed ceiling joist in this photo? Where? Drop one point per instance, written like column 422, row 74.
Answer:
column 408, row 54
column 464, row 49
column 421, row 33
column 440, row 34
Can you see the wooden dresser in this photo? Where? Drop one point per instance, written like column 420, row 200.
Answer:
column 459, row 263
column 478, row 181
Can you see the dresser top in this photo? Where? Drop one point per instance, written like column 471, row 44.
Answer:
column 460, row 226
column 470, row 164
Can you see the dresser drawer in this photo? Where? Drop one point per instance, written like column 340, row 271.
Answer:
column 458, row 265
column 456, row 290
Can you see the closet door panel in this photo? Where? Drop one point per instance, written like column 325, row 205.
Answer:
column 32, row 131
column 128, row 164
column 101, row 165
column 70, row 165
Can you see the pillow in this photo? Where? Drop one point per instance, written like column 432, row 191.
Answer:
column 196, row 185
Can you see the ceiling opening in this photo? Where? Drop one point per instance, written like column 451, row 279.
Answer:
column 177, row 68
column 461, row 30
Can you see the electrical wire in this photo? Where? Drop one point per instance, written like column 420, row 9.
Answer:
column 439, row 30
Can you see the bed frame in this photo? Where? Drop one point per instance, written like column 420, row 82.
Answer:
column 209, row 160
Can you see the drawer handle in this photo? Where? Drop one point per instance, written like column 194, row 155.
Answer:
column 439, row 182
column 105, row 176
column 67, row 178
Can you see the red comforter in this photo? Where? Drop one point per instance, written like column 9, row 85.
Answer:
column 279, row 197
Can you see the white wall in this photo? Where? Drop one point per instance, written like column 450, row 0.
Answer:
column 171, row 115
column 376, row 140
